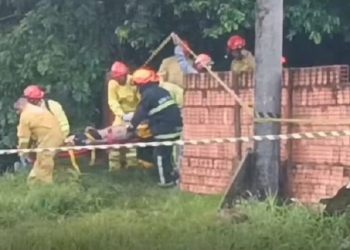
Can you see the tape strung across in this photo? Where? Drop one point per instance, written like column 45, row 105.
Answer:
column 306, row 135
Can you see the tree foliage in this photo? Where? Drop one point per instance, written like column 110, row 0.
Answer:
column 67, row 46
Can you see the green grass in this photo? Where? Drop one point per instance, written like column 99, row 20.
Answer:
column 128, row 211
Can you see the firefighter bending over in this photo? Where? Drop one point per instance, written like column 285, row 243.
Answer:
column 243, row 60
column 38, row 124
column 35, row 95
column 122, row 100
column 164, row 121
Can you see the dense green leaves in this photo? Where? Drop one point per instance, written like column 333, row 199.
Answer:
column 58, row 46
column 66, row 46
column 313, row 18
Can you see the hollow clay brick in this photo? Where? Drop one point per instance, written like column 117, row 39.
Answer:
column 210, row 163
column 213, row 151
column 209, row 113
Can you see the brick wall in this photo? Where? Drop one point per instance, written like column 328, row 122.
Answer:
column 208, row 113
column 316, row 169
column 320, row 165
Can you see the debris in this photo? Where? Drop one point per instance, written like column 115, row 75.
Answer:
column 339, row 203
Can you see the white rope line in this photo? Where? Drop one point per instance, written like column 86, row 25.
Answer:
column 306, row 135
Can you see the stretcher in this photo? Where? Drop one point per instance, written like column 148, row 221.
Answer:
column 72, row 154
column 142, row 131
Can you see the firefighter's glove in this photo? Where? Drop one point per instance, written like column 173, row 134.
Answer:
column 127, row 117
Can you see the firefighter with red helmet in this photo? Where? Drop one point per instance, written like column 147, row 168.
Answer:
column 164, row 120
column 35, row 95
column 37, row 123
column 243, row 60
column 122, row 100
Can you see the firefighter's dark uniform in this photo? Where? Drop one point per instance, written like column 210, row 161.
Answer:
column 165, row 123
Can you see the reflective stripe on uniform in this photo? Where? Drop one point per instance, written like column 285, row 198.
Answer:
column 23, row 140
column 131, row 153
column 160, row 169
column 161, row 107
column 168, row 136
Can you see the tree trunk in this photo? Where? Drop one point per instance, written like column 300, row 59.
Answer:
column 268, row 81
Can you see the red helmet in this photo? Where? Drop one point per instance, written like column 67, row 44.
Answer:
column 118, row 69
column 33, row 92
column 143, row 76
column 284, row 60
column 203, row 59
column 235, row 42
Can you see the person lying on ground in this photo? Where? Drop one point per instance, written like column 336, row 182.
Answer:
column 108, row 135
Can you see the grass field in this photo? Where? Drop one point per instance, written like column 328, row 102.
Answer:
column 127, row 211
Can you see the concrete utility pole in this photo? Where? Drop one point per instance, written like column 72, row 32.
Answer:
column 268, row 81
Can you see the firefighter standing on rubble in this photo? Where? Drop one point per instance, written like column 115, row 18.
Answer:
column 243, row 60
column 38, row 124
column 35, row 95
column 122, row 100
column 164, row 121
column 170, row 70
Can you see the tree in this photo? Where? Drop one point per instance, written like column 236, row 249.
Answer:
column 61, row 47
column 67, row 45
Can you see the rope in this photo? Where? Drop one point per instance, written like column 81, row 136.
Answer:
column 93, row 151
column 73, row 160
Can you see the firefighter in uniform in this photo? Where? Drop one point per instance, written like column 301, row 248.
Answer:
column 38, row 124
column 122, row 100
column 243, row 60
column 145, row 154
column 170, row 70
column 164, row 121
column 35, row 95
column 186, row 67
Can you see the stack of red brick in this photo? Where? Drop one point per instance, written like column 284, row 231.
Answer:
column 320, row 164
column 209, row 111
